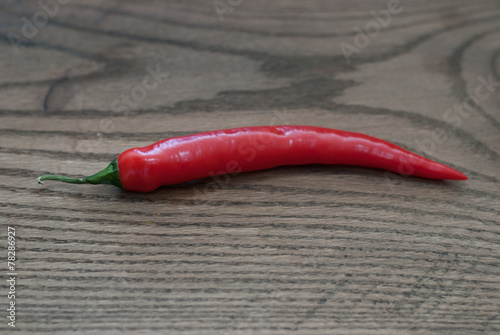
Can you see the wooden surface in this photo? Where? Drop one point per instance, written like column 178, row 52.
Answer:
column 291, row 250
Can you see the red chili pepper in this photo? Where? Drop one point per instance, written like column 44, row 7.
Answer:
column 180, row 159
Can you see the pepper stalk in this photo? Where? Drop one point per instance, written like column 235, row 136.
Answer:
column 109, row 176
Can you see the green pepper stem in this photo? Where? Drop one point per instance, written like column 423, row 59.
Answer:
column 109, row 175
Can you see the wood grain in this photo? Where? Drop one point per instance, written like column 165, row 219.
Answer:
column 291, row 250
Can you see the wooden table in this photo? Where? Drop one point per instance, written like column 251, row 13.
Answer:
column 291, row 250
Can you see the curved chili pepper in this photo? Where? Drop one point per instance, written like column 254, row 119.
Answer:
column 180, row 159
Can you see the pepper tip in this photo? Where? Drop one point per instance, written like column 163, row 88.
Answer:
column 460, row 176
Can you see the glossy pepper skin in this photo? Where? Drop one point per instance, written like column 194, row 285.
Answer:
column 180, row 159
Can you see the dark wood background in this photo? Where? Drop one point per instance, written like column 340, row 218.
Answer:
column 291, row 250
